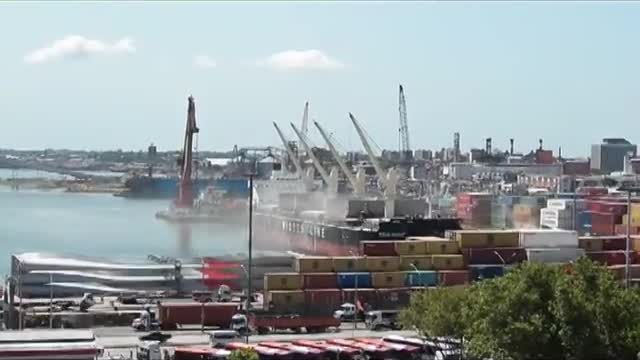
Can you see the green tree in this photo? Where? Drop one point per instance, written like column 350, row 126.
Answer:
column 536, row 312
column 436, row 312
column 243, row 354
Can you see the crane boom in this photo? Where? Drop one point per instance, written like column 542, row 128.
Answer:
column 316, row 162
column 363, row 138
column 185, row 189
column 405, row 147
column 354, row 182
column 294, row 158
column 305, row 119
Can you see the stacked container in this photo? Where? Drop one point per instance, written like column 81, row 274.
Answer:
column 474, row 208
column 559, row 214
column 486, row 252
column 550, row 246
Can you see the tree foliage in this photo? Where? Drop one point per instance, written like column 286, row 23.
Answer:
column 536, row 312
column 243, row 354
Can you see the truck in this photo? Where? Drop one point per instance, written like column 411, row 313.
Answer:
column 265, row 322
column 170, row 316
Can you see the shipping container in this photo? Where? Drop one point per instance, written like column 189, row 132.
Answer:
column 354, row 279
column 285, row 301
column 604, row 223
column 382, row 263
column 484, row 272
column 621, row 229
column 413, row 246
column 387, row 279
column 619, row 271
column 421, row 278
column 378, row 248
column 471, row 238
column 348, row 264
column 590, row 243
column 442, row 246
column 320, row 281
column 313, row 264
column 610, row 243
column 448, row 262
column 548, row 238
column 393, row 299
column 584, row 222
column 453, row 277
column 367, row 296
column 494, row 256
column 170, row 315
column 421, row 262
column 282, row 281
column 322, row 301
column 554, row 255
column 502, row 238
column 612, row 257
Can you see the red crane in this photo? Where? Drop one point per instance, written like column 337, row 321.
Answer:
column 185, row 190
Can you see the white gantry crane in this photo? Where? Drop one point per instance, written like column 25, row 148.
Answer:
column 330, row 179
column 388, row 179
column 357, row 182
column 307, row 178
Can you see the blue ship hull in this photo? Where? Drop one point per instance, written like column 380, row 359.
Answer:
column 167, row 188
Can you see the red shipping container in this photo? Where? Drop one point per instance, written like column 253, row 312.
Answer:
column 392, row 299
column 323, row 300
column 366, row 296
column 491, row 256
column 603, row 223
column 320, row 281
column 612, row 257
column 379, row 248
column 453, row 277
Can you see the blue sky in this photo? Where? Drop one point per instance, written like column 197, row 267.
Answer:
column 565, row 72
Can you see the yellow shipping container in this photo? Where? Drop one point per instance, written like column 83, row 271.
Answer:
column 503, row 238
column 410, row 247
column 313, row 264
column 448, row 262
column 387, row 279
column 285, row 299
column 282, row 281
column 442, row 247
column 383, row 263
column 349, row 264
column 635, row 243
column 590, row 244
column 635, row 215
column 471, row 239
column 422, row 262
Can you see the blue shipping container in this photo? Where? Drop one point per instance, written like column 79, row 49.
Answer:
column 483, row 272
column 421, row 278
column 353, row 280
column 584, row 222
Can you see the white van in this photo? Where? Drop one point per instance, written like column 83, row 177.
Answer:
column 220, row 338
column 148, row 350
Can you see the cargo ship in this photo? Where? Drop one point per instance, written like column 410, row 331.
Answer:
column 146, row 187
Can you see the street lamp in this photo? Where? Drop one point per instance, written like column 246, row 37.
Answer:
column 250, row 260
column 246, row 273
column 628, row 190
column 355, row 300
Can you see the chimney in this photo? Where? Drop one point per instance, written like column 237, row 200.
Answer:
column 488, row 146
column 511, row 147
column 540, row 143
column 560, row 152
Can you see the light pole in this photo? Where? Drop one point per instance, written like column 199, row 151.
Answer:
column 628, row 190
column 355, row 300
column 246, row 273
column 50, row 300
column 415, row 269
column 250, row 260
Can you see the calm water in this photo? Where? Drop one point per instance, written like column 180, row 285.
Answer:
column 103, row 225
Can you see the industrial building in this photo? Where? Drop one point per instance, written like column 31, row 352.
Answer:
column 609, row 156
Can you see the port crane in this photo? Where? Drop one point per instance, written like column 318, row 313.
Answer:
column 388, row 179
column 185, row 187
column 357, row 182
column 330, row 179
column 307, row 178
column 305, row 119
column 405, row 147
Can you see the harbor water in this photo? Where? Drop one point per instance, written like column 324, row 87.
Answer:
column 105, row 226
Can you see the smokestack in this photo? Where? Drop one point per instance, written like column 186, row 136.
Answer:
column 540, row 143
column 456, row 146
column 560, row 152
column 511, row 147
column 488, row 146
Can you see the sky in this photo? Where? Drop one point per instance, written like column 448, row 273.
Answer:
column 116, row 75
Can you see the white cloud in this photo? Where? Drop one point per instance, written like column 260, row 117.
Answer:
column 301, row 59
column 76, row 46
column 204, row 62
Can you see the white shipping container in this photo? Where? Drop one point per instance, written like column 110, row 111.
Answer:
column 556, row 224
column 554, row 255
column 542, row 238
column 560, row 203
column 555, row 213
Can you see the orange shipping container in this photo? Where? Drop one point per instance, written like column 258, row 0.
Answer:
column 383, row 263
column 387, row 279
column 282, row 281
column 349, row 264
column 422, row 262
column 410, row 247
column 310, row 264
column 503, row 238
column 448, row 262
